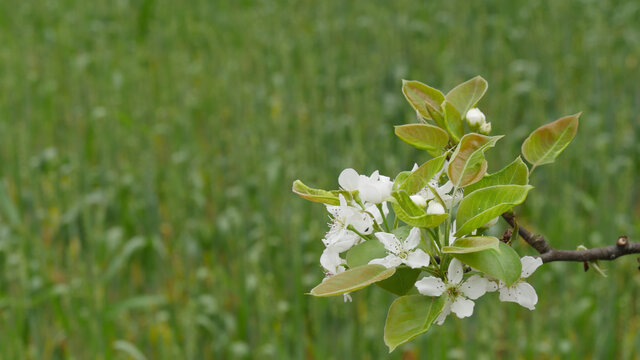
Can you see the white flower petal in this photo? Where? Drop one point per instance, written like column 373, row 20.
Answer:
column 507, row 293
column 474, row 287
column 445, row 188
column 446, row 310
column 462, row 307
column 417, row 259
column 369, row 193
column 330, row 261
column 431, row 286
column 388, row 261
column 340, row 240
column 412, row 240
column 349, row 179
column 419, row 200
column 390, row 242
column 526, row 295
column 455, row 271
column 361, row 221
column 492, row 286
column 529, row 265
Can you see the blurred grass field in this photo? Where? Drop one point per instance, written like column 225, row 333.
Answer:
column 148, row 148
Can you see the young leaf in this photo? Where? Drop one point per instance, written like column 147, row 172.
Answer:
column 453, row 121
column 361, row 254
column 466, row 95
column 401, row 282
column 547, row 142
column 419, row 178
column 481, row 206
column 467, row 163
column 412, row 214
column 472, row 244
column 410, row 316
column 400, row 179
column 319, row 195
column 352, row 280
column 502, row 264
column 425, row 100
column 425, row 137
column 515, row 173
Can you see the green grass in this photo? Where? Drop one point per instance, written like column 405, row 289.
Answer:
column 148, row 149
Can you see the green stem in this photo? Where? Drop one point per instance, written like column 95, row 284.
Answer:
column 350, row 227
column 384, row 218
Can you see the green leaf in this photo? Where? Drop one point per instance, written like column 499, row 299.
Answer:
column 425, row 100
column 466, row 95
column 481, row 206
column 412, row 214
column 547, row 142
column 319, row 195
column 400, row 179
column 401, row 282
column 515, row 173
column 361, row 254
column 352, row 280
column 410, row 316
column 425, row 137
column 467, row 163
column 503, row 264
column 419, row 178
column 472, row 244
column 453, row 121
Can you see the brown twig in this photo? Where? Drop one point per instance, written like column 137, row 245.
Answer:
column 548, row 254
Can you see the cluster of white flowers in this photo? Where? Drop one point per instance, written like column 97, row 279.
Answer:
column 477, row 120
column 349, row 216
column 459, row 294
column 353, row 221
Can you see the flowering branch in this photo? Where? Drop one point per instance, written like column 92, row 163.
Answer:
column 548, row 254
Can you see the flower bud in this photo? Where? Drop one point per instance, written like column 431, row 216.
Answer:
column 475, row 117
column 435, row 208
column 419, row 200
column 485, row 128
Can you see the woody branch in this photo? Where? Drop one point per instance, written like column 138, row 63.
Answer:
column 548, row 254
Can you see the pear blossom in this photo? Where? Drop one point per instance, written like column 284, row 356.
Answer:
column 373, row 189
column 339, row 237
column 475, row 117
column 459, row 293
column 402, row 252
column 522, row 292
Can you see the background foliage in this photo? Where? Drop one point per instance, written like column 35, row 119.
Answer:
column 148, row 149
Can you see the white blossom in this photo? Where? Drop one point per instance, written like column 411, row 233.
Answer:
column 402, row 252
column 459, row 293
column 522, row 292
column 339, row 237
column 475, row 117
column 373, row 189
